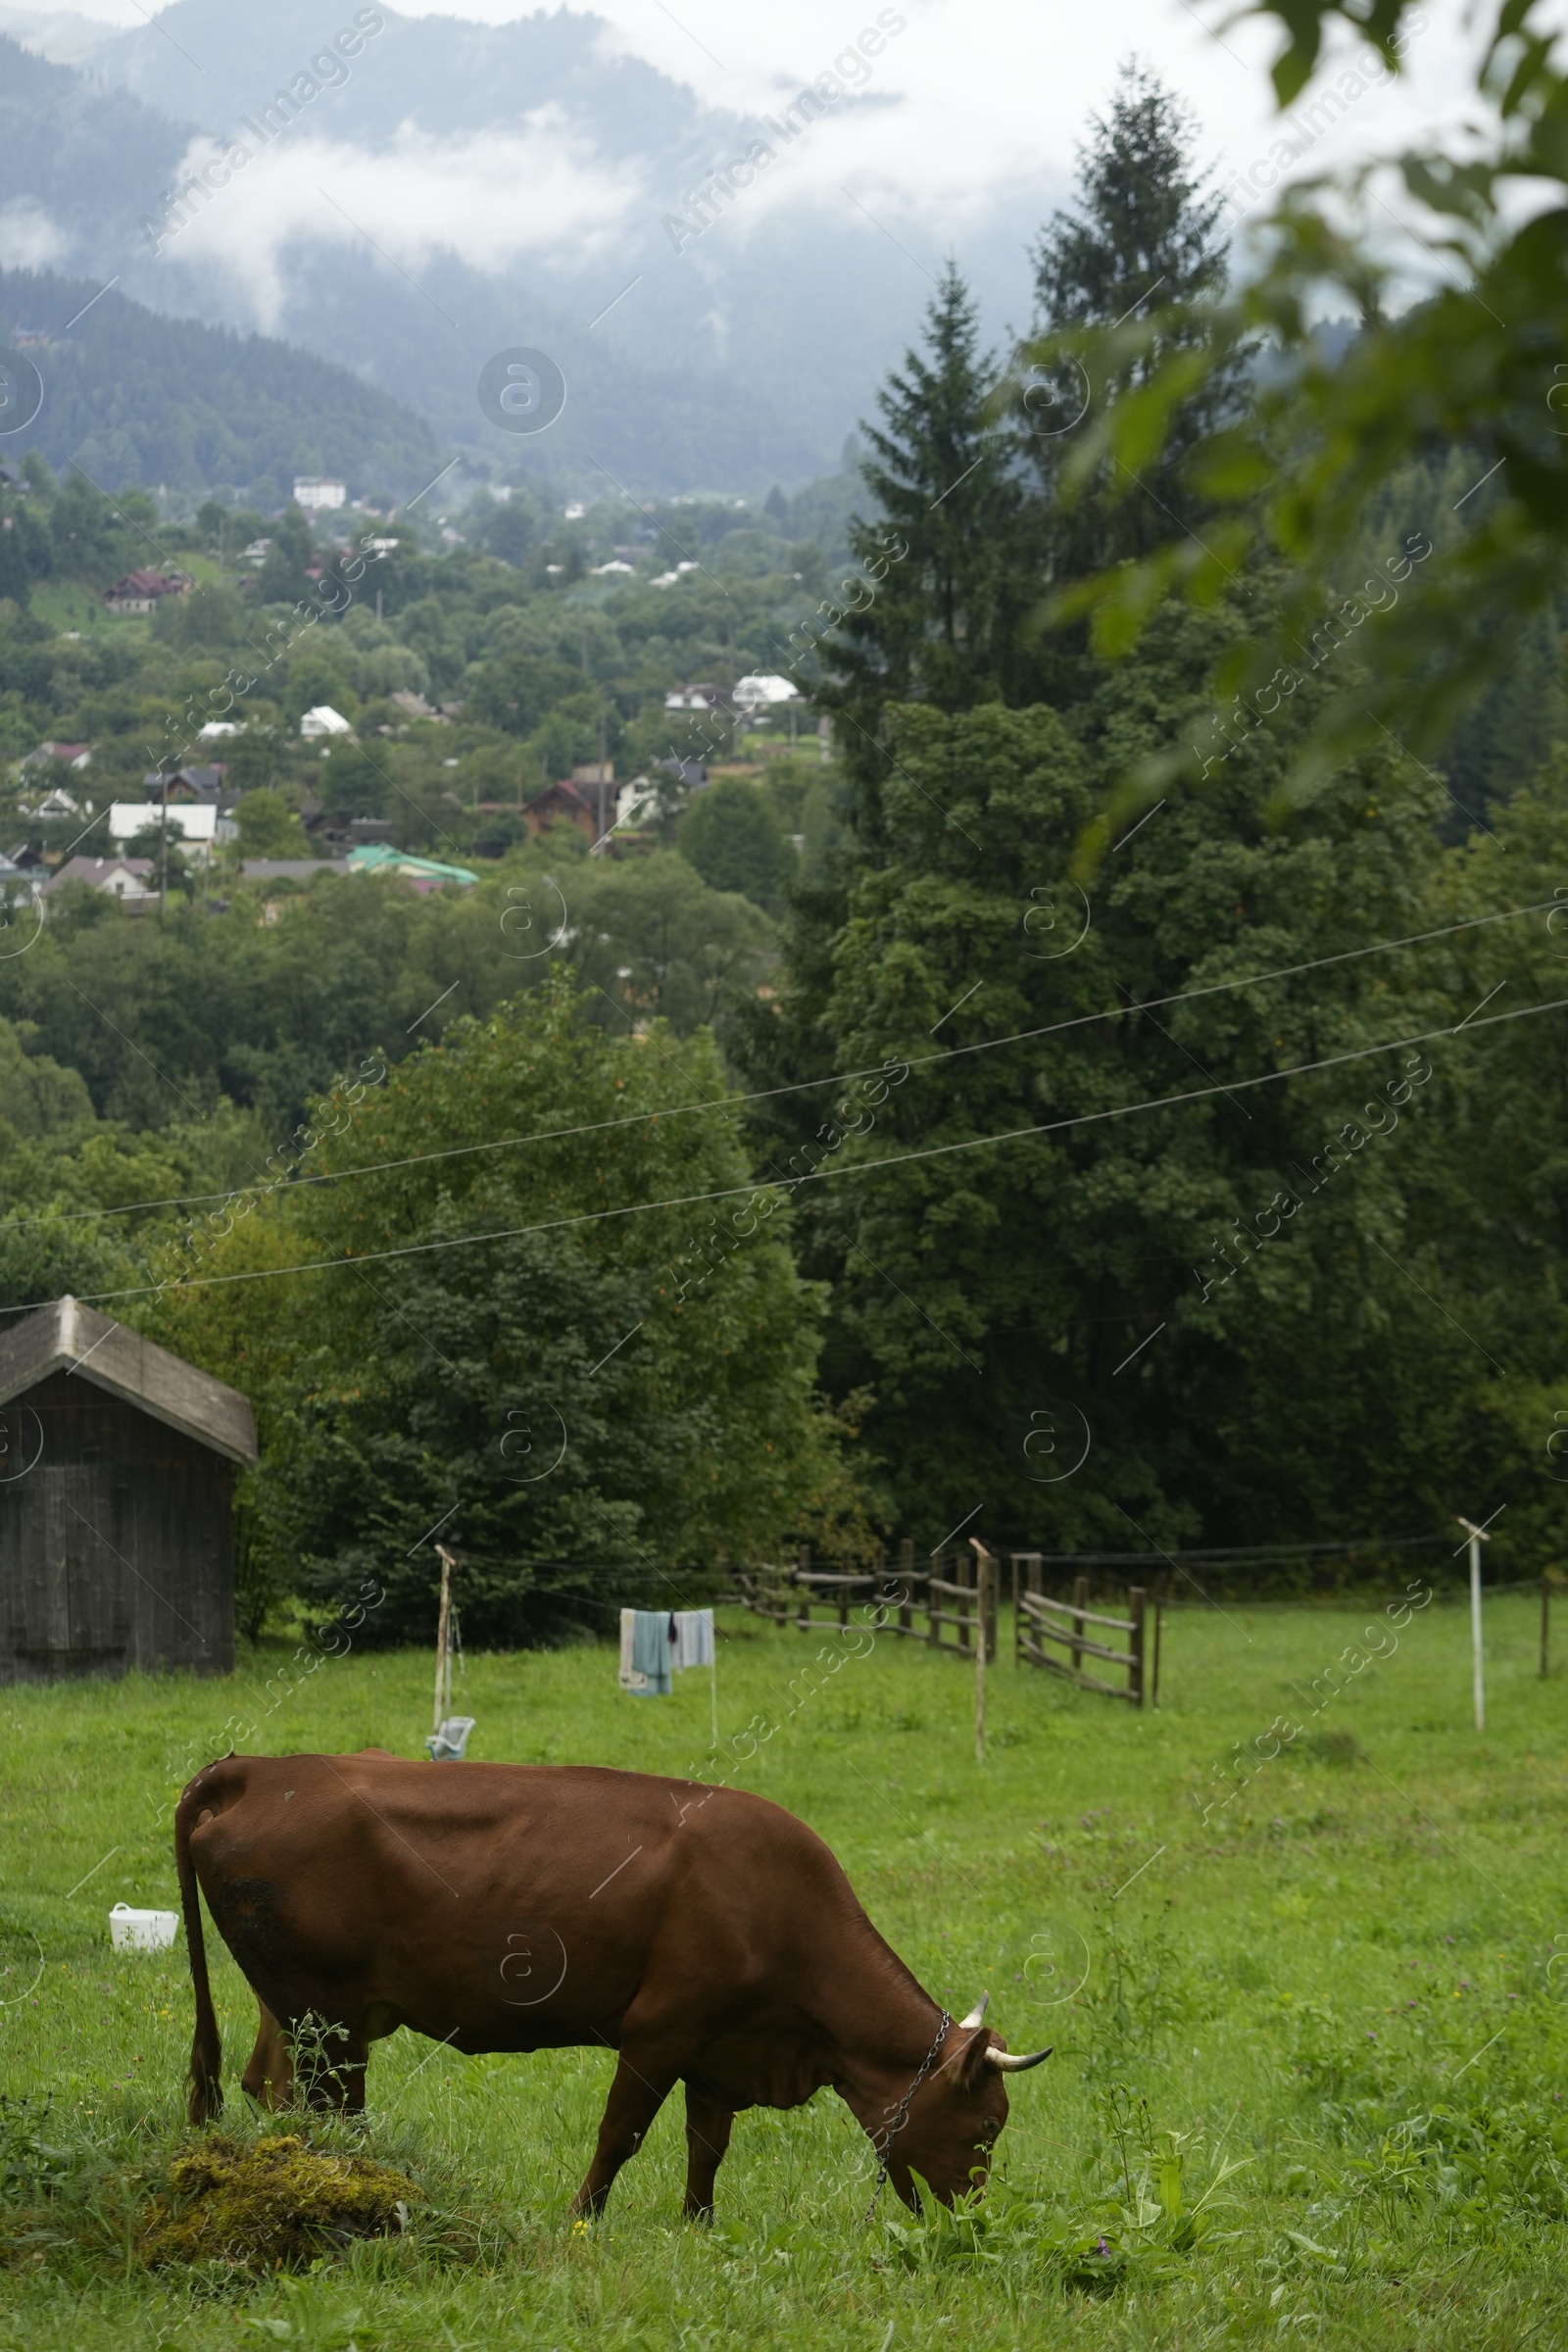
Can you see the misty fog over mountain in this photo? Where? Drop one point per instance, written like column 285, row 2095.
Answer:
column 454, row 188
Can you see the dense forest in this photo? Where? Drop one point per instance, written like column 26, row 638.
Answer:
column 130, row 397
column 924, row 1123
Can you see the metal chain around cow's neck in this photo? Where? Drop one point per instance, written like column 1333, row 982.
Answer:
column 900, row 2114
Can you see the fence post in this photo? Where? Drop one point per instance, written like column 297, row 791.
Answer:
column 933, row 1601
column 980, row 1696
column 443, row 1644
column 986, row 1579
column 960, row 1576
column 1080, row 1602
column 803, row 1567
column 1136, row 1601
column 1030, row 1583
column 906, row 1585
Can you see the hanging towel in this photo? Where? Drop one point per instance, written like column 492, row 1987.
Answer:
column 694, row 1637
column 651, row 1652
column 630, row 1679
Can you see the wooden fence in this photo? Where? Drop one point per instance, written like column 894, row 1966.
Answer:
column 971, row 1587
column 951, row 1599
column 946, row 1606
column 806, row 1596
column 795, row 1596
column 1038, row 1619
column 930, row 1605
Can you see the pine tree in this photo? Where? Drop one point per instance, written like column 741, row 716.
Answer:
column 1141, row 231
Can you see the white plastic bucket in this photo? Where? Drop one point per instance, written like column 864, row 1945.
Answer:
column 131, row 1931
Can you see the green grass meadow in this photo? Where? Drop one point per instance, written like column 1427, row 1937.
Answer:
column 1310, row 2080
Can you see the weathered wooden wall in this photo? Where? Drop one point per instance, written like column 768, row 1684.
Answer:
column 116, row 1546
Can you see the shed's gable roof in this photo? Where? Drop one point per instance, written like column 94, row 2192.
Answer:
column 66, row 1337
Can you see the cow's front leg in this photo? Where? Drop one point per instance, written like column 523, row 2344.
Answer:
column 709, row 2124
column 635, row 2098
column 329, row 2063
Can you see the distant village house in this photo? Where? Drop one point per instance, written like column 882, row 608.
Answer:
column 568, row 804
column 133, row 881
column 69, row 754
column 195, row 826
column 324, row 720
column 143, row 591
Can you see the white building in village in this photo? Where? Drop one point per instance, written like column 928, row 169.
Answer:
column 324, row 720
column 195, row 826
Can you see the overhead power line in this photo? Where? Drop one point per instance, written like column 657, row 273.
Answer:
column 729, row 1103
column 863, row 1167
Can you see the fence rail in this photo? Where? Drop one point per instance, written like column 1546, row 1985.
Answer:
column 1038, row 1619
column 972, row 1590
column 793, row 1595
column 957, row 1600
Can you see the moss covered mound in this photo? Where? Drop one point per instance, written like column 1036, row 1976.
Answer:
column 270, row 2202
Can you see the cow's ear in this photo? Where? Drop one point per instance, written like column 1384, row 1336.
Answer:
column 973, row 2068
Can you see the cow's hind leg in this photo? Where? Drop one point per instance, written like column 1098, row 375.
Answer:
column 709, row 2124
column 269, row 2078
column 635, row 2098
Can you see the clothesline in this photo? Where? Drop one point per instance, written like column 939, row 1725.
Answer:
column 657, row 1645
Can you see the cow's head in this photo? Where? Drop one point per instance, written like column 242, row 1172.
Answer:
column 956, row 2114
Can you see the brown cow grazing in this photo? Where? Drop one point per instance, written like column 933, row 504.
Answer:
column 703, row 1935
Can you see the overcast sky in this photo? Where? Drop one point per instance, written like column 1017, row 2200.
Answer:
column 976, row 110
column 986, row 92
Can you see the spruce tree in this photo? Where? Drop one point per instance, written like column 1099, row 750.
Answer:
column 1140, row 234
column 928, row 623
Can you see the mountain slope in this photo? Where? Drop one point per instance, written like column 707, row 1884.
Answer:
column 135, row 396
column 76, row 157
column 522, row 175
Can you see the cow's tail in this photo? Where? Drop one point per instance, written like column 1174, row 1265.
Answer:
column 207, row 2048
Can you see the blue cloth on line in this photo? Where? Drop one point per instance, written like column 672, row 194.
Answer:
column 651, row 1652
column 694, row 1637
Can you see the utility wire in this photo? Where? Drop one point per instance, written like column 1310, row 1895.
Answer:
column 865, row 1167
column 985, row 1045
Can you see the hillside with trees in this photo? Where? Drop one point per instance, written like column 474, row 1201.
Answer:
column 135, row 398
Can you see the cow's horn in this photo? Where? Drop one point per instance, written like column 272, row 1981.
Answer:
column 1009, row 2064
column 977, row 2015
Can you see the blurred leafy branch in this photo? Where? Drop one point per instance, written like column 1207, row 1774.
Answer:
column 1284, row 484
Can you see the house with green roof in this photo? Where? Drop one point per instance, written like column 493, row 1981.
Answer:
column 426, row 873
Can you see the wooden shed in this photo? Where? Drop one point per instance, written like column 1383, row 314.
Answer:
column 117, row 1469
